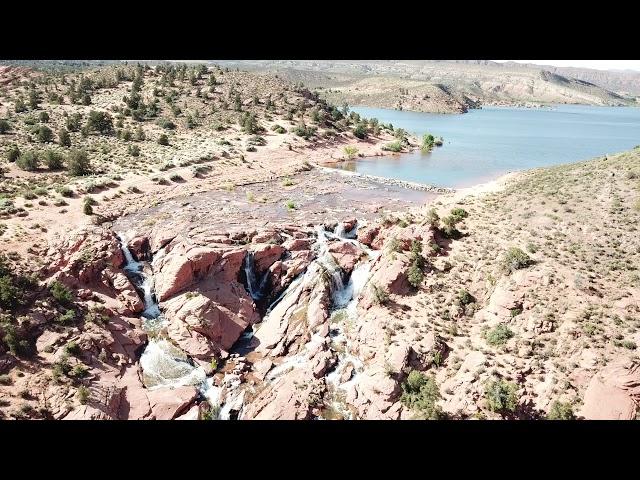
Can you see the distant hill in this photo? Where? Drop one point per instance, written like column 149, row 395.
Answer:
column 452, row 85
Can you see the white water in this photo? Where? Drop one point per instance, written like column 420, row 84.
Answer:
column 163, row 364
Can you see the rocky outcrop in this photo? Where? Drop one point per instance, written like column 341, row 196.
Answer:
column 613, row 393
column 204, row 322
column 181, row 266
column 346, row 254
column 167, row 403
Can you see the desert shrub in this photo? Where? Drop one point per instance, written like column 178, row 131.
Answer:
column 416, row 253
column 43, row 117
column 139, row 135
column 9, row 292
column 166, row 124
column 449, row 225
column 350, row 151
column 380, row 295
column 433, row 218
column 60, row 293
column 64, row 139
column 72, row 348
column 501, row 396
column 17, row 343
column 561, row 411
column 83, row 394
column 464, row 297
column 19, row 105
column 303, row 131
column 360, row 130
column 415, row 275
column 163, row 140
column 290, row 205
column 100, row 122
column 53, row 160
column 4, row 126
column 74, row 122
column 279, row 129
column 498, row 335
column 421, row 394
column 28, row 161
column 78, row 163
column 87, row 208
column 13, row 153
column 459, row 213
column 176, row 178
column 395, row 146
column 134, row 150
column 65, row 191
column 515, row 259
column 66, row 318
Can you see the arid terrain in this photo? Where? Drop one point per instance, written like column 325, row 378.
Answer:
column 452, row 86
column 174, row 248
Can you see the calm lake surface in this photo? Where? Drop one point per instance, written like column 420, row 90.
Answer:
column 484, row 144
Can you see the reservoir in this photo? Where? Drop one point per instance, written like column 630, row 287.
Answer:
column 483, row 144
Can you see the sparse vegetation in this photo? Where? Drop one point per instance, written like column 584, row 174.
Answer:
column 420, row 393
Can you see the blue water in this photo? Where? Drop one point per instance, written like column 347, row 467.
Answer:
column 484, row 144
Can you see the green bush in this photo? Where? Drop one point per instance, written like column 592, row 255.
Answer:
column 428, row 141
column 561, row 411
column 464, row 297
column 53, row 160
column 395, row 146
column 78, row 163
column 163, row 140
column 380, row 295
column 61, row 293
column 134, row 150
column 421, row 394
column 65, row 191
column 13, row 153
column 166, row 124
column 44, row 134
column 360, row 130
column 415, row 275
column 4, row 126
column 74, row 122
column 498, row 335
column 501, row 396
column 459, row 213
column 9, row 292
column 28, row 161
column 515, row 259
column 44, row 117
column 100, row 122
column 83, row 394
column 64, row 139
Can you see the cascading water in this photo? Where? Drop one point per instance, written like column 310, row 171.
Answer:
column 163, row 364
column 344, row 313
column 256, row 289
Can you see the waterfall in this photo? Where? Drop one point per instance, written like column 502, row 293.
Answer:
column 163, row 364
column 255, row 288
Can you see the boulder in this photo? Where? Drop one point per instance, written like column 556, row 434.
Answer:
column 346, row 254
column 182, row 266
column 169, row 403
